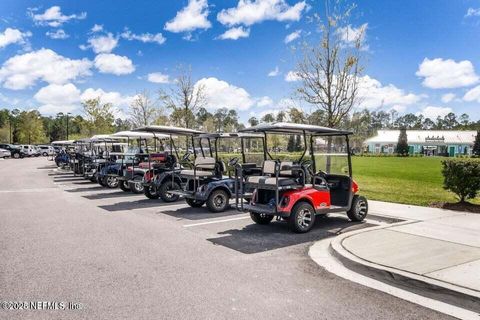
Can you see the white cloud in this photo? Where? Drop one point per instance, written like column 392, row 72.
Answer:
column 439, row 73
column 144, row 37
column 375, row 95
column 235, row 33
column 158, row 77
column 193, row 16
column 434, row 112
column 275, row 72
column 448, row 97
column 471, row 12
column 10, row 36
column 250, row 12
column 97, row 28
column 102, row 44
column 350, row 35
column 292, row 76
column 114, row 64
column 57, row 94
column 472, row 95
column 221, row 94
column 292, row 36
column 57, row 98
column 113, row 97
column 58, row 34
column 22, row 71
column 264, row 101
column 54, row 17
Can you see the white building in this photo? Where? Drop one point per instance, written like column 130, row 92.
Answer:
column 428, row 142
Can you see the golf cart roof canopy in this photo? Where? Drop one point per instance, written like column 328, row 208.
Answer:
column 137, row 135
column 169, row 130
column 62, row 142
column 230, row 135
column 296, row 128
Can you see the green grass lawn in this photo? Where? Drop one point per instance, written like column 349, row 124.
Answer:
column 404, row 180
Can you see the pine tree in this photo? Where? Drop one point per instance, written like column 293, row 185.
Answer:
column 402, row 145
column 291, row 143
column 298, row 143
column 476, row 145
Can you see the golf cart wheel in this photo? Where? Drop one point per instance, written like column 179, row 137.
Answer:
column 136, row 186
column 151, row 193
column 302, row 217
column 123, row 184
column 359, row 209
column 218, row 201
column 261, row 218
column 194, row 203
column 167, row 186
column 112, row 182
column 16, row 155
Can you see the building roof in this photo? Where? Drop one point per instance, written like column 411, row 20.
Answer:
column 426, row 137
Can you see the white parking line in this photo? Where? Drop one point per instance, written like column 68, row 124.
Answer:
column 215, row 221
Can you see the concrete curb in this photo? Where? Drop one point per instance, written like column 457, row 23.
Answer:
column 425, row 286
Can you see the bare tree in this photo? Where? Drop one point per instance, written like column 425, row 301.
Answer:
column 184, row 99
column 330, row 69
column 143, row 110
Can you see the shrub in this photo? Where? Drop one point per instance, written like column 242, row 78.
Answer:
column 462, row 177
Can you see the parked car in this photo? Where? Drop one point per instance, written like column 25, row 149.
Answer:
column 28, row 150
column 46, row 150
column 15, row 151
column 4, row 153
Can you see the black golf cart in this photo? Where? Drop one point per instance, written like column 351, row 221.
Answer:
column 163, row 170
column 212, row 178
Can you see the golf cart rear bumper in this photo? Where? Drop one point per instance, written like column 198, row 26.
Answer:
column 265, row 209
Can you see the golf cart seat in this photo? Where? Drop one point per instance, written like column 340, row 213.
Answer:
column 204, row 167
column 285, row 178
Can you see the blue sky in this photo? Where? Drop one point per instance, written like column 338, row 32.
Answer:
column 422, row 56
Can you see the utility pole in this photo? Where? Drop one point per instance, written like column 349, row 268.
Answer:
column 67, row 124
column 10, row 121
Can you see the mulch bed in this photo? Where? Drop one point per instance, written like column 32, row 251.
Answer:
column 466, row 206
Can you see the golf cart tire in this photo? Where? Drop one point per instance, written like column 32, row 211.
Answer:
column 300, row 208
column 165, row 187
column 194, row 203
column 138, row 182
column 111, row 183
column 151, row 193
column 212, row 206
column 261, row 218
column 123, row 185
column 359, row 209
column 16, row 155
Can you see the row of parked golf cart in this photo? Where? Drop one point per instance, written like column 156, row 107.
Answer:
column 222, row 169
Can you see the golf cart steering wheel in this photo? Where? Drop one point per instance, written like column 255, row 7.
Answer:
column 186, row 157
column 233, row 162
column 308, row 165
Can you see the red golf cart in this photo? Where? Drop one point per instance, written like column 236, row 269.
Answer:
column 296, row 185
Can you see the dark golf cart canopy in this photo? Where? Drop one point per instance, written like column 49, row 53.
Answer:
column 229, row 135
column 169, row 130
column 296, row 128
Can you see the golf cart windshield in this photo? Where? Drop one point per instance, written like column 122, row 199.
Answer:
column 331, row 155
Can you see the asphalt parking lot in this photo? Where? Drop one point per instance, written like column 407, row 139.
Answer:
column 123, row 256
